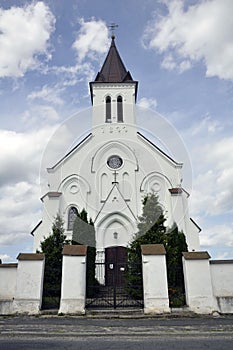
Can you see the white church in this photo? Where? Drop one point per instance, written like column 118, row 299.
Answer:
column 113, row 168
column 108, row 174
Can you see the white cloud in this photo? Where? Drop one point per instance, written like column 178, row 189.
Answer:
column 207, row 124
column 49, row 94
column 20, row 207
column 24, row 35
column 147, row 103
column 39, row 115
column 21, row 157
column 202, row 32
column 222, row 255
column 92, row 39
column 217, row 235
column 213, row 164
column 5, row 257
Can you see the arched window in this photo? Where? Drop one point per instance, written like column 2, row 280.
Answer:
column 72, row 214
column 108, row 109
column 119, row 109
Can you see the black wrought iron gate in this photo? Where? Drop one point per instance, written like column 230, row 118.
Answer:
column 117, row 284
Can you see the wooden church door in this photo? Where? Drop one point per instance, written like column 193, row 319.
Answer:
column 115, row 266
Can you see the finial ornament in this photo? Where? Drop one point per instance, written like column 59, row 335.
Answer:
column 112, row 27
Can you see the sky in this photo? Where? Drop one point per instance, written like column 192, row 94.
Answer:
column 180, row 51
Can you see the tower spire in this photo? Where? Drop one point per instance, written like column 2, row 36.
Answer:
column 113, row 69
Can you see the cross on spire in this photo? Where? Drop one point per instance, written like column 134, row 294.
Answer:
column 112, row 27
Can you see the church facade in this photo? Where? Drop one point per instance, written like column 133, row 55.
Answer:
column 113, row 168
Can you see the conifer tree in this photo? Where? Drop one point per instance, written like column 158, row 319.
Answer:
column 151, row 227
column 151, row 230
column 83, row 230
column 84, row 233
column 52, row 248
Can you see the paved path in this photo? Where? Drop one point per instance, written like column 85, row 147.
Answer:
column 85, row 333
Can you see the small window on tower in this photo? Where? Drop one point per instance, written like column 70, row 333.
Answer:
column 108, row 109
column 72, row 214
column 119, row 109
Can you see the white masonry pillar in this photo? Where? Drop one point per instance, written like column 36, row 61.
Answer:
column 73, row 289
column 155, row 286
column 29, row 283
column 197, row 279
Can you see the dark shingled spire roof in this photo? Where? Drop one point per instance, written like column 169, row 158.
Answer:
column 113, row 69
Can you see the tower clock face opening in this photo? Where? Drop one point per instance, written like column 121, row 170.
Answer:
column 114, row 162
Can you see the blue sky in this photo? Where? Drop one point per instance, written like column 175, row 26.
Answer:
column 180, row 51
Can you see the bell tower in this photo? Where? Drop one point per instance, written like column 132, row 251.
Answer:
column 113, row 92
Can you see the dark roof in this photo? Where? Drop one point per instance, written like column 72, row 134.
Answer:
column 51, row 194
column 196, row 224
column 113, row 69
column 36, row 227
column 175, row 190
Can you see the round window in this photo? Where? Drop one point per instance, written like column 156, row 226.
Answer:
column 114, row 162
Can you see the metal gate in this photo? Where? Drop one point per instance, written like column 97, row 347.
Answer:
column 117, row 283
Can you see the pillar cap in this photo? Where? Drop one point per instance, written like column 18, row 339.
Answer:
column 216, row 262
column 8, row 265
column 153, row 249
column 196, row 255
column 31, row 256
column 74, row 250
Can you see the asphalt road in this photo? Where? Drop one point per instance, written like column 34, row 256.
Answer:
column 29, row 333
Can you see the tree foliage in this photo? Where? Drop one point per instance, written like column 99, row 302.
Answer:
column 84, row 233
column 83, row 230
column 52, row 248
column 151, row 230
column 151, row 227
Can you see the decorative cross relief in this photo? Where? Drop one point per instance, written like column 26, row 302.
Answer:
column 115, row 177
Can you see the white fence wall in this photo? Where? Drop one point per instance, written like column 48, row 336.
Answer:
column 208, row 284
column 21, row 285
column 8, row 274
column 222, row 281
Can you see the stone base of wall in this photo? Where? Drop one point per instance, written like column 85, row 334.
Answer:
column 6, row 307
column 156, row 306
column 72, row 306
column 29, row 307
column 225, row 305
column 201, row 305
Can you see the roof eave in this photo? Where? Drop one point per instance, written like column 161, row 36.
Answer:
column 133, row 82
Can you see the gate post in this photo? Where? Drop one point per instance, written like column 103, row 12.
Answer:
column 73, row 288
column 155, row 286
column 197, row 280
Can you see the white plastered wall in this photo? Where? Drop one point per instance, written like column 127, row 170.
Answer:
column 222, row 282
